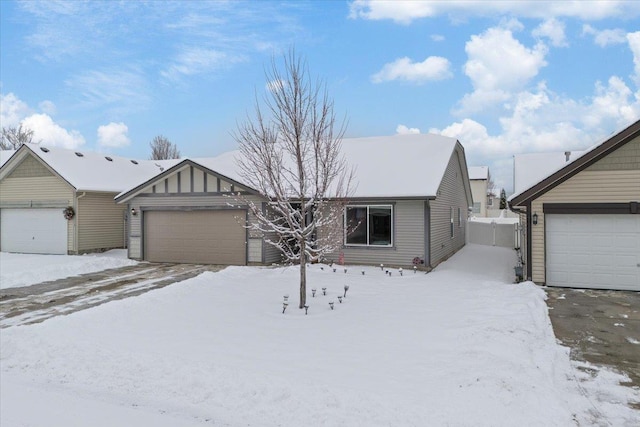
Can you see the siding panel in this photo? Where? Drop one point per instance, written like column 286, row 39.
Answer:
column 450, row 194
column 408, row 238
column 100, row 222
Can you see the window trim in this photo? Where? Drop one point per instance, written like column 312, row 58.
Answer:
column 368, row 245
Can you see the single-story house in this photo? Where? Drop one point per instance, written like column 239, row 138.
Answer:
column 59, row 201
column 411, row 201
column 582, row 220
column 479, row 179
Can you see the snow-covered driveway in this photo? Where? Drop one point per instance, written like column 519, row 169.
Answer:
column 461, row 346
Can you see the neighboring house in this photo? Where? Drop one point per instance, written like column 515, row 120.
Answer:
column 479, row 179
column 582, row 220
column 411, row 202
column 38, row 184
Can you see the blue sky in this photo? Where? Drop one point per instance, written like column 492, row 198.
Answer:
column 502, row 77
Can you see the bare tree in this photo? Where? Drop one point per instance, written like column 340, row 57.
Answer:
column 162, row 149
column 13, row 137
column 294, row 158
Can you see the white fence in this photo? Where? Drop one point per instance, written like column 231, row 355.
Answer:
column 493, row 234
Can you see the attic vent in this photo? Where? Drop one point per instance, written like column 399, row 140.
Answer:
column 45, row 149
column 79, row 154
column 135, row 162
column 108, row 158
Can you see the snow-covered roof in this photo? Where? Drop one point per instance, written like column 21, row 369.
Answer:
column 529, row 169
column 478, row 172
column 91, row 171
column 385, row 167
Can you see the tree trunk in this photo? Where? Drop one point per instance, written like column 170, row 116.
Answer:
column 303, row 275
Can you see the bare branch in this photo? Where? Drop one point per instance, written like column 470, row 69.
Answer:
column 13, row 137
column 162, row 149
column 290, row 151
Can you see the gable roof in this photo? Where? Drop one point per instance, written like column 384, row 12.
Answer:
column 583, row 161
column 398, row 166
column 90, row 171
column 478, row 172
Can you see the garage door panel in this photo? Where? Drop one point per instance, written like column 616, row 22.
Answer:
column 203, row 237
column 33, row 231
column 593, row 251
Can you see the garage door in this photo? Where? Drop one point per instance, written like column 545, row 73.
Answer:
column 33, row 231
column 593, row 251
column 201, row 237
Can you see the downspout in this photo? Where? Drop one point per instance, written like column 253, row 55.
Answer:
column 75, row 222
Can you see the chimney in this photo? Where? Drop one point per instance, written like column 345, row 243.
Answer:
column 567, row 156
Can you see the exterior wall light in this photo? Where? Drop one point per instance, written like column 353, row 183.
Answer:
column 535, row 218
column 134, row 212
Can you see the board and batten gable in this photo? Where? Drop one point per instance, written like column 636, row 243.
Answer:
column 613, row 179
column 46, row 189
column 191, row 187
column 452, row 194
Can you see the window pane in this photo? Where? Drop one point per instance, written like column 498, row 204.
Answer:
column 476, row 207
column 356, row 222
column 379, row 225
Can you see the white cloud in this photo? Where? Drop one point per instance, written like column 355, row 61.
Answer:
column 437, row 37
column 553, row 30
column 541, row 120
column 634, row 45
column 113, row 135
column 47, row 107
column 117, row 90
column 604, row 38
column 432, row 68
column 196, row 60
column 405, row 11
column 12, row 110
column 50, row 133
column 498, row 65
column 404, row 130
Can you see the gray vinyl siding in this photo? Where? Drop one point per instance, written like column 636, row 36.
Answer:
column 408, row 237
column 451, row 194
column 184, row 201
column 271, row 253
column 100, row 222
column 32, row 185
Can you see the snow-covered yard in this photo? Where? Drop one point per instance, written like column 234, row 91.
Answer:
column 28, row 269
column 461, row 346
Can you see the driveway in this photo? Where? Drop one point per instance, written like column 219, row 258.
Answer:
column 36, row 303
column 600, row 327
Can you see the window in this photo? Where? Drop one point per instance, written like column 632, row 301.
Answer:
column 459, row 217
column 490, row 200
column 476, row 207
column 368, row 225
column 451, row 221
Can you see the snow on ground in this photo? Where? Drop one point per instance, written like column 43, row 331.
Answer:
column 460, row 346
column 27, row 269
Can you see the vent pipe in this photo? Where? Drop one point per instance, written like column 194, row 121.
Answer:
column 567, row 156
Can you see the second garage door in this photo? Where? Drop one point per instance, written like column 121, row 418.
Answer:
column 593, row 251
column 33, row 231
column 201, row 237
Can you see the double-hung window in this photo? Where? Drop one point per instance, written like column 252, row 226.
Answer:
column 368, row 225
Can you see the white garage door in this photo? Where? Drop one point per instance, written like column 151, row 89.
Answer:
column 33, row 231
column 593, row 251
